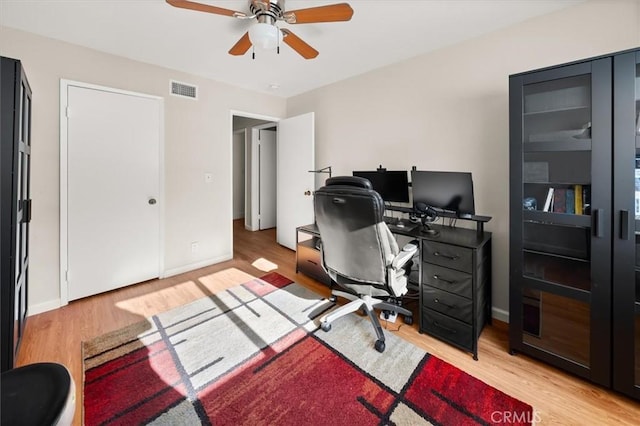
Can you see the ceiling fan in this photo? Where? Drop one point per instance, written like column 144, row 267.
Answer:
column 265, row 34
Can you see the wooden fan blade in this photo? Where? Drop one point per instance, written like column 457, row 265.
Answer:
column 241, row 47
column 297, row 44
column 185, row 4
column 330, row 13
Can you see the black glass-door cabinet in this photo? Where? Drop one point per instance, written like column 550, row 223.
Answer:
column 15, row 166
column 560, row 213
column 575, row 218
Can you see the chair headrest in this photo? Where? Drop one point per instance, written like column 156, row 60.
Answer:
column 355, row 181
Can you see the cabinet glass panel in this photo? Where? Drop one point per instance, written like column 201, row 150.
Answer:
column 558, row 112
column 18, row 247
column 559, row 270
column 556, row 324
column 556, row 176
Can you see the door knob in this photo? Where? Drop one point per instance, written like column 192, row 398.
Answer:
column 307, row 192
column 152, row 201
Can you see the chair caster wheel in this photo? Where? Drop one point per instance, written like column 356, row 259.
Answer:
column 408, row 320
column 325, row 326
column 379, row 346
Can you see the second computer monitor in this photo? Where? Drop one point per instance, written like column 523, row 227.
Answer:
column 393, row 186
column 448, row 191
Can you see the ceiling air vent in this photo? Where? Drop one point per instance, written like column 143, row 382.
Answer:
column 184, row 90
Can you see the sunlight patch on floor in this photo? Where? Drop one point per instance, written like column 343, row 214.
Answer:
column 161, row 300
column 184, row 292
column 264, row 265
column 224, row 279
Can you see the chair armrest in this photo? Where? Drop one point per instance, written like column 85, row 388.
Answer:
column 403, row 257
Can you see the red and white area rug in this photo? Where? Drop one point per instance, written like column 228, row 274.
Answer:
column 253, row 355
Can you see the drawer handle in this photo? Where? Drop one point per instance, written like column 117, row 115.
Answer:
column 444, row 304
column 312, row 262
column 450, row 330
column 446, row 256
column 439, row 278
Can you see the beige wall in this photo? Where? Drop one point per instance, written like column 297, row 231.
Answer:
column 197, row 140
column 442, row 111
column 449, row 110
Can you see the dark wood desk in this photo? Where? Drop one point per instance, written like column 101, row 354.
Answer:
column 454, row 280
column 308, row 254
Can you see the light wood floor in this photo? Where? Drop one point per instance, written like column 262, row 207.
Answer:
column 557, row 397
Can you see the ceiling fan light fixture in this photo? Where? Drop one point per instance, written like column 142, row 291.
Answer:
column 265, row 36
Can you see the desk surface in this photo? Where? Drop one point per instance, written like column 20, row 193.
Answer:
column 451, row 215
column 458, row 236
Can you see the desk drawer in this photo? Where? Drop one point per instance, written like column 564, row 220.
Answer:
column 447, row 279
column 308, row 262
column 448, row 329
column 455, row 257
column 447, row 303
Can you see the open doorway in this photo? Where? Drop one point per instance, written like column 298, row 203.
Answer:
column 254, row 171
column 294, row 167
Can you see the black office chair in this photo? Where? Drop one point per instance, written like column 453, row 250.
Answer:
column 359, row 252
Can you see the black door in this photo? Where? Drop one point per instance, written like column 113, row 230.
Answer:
column 626, row 230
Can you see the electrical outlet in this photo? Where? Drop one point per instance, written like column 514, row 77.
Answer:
column 194, row 247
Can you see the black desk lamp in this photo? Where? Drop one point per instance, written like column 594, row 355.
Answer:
column 322, row 170
column 427, row 215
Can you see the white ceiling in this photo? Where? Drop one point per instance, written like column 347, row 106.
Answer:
column 380, row 33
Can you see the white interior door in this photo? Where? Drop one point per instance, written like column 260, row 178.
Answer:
column 295, row 185
column 113, row 189
column 267, row 168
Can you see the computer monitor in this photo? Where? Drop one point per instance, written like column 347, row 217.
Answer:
column 393, row 186
column 444, row 191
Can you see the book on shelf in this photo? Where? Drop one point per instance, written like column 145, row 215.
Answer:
column 571, row 201
column 548, row 202
column 578, row 198
column 559, row 200
column 586, row 199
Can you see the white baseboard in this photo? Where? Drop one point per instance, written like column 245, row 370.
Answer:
column 43, row 307
column 500, row 314
column 56, row 303
column 197, row 265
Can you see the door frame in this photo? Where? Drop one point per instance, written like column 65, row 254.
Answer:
column 243, row 134
column 64, row 243
column 237, row 113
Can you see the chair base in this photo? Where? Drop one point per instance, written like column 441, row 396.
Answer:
column 368, row 304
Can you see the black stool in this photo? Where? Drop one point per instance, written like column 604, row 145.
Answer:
column 37, row 394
